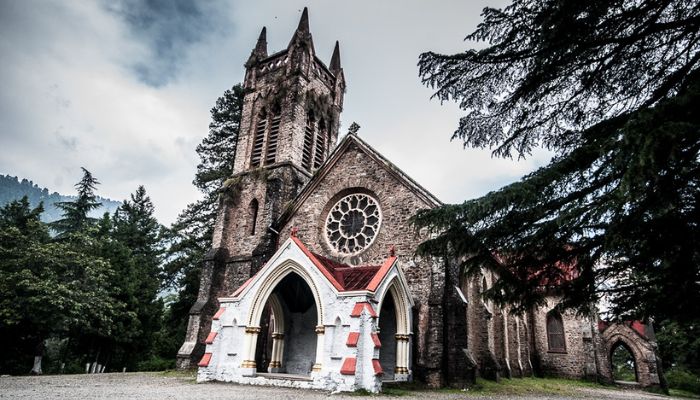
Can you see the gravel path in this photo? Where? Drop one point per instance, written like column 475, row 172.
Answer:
column 152, row 386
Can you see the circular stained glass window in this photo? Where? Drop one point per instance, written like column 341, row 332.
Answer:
column 353, row 223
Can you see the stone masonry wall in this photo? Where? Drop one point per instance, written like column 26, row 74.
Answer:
column 577, row 333
column 356, row 171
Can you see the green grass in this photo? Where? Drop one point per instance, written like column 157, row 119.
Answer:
column 176, row 373
column 512, row 387
column 683, row 393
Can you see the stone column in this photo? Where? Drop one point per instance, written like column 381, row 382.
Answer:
column 401, row 372
column 248, row 367
column 320, row 334
column 277, row 352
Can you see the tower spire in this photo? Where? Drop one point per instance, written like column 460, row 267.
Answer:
column 303, row 33
column 261, row 46
column 304, row 21
column 335, row 59
column 260, row 50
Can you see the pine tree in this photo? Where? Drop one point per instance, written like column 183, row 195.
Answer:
column 47, row 288
column 133, row 245
column 613, row 88
column 76, row 213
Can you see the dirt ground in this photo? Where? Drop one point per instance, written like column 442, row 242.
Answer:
column 151, row 386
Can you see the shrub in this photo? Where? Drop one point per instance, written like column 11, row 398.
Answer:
column 680, row 378
column 155, row 364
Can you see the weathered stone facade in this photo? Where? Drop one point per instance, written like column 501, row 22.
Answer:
column 289, row 177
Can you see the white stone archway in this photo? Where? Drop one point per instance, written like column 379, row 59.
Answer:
column 265, row 294
column 396, row 292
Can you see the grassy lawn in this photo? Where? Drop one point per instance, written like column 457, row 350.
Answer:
column 524, row 386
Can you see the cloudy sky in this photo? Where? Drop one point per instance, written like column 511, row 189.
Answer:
column 124, row 88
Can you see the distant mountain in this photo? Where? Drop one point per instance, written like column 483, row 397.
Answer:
column 11, row 188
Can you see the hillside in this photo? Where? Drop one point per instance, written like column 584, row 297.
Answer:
column 11, row 188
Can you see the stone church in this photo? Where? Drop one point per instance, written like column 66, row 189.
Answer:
column 312, row 279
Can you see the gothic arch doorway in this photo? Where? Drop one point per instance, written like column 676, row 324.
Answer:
column 387, row 337
column 287, row 341
column 394, row 333
column 623, row 363
column 283, row 332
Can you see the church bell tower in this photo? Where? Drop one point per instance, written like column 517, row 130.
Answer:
column 289, row 125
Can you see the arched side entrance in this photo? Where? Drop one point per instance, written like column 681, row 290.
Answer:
column 394, row 333
column 640, row 353
column 622, row 363
column 294, row 320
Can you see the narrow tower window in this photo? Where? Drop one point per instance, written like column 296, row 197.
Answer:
column 258, row 141
column 320, row 148
column 555, row 332
column 307, row 152
column 272, row 139
column 253, row 215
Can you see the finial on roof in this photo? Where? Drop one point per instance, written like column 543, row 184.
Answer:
column 294, row 231
column 392, row 251
column 354, row 127
column 335, row 59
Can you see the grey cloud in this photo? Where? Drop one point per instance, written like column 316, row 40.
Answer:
column 67, row 142
column 168, row 28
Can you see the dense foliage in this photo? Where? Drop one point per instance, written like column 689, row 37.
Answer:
column 612, row 87
column 87, row 296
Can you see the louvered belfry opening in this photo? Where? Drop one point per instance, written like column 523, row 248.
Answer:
column 272, row 139
column 555, row 332
column 320, row 148
column 307, row 152
column 259, row 140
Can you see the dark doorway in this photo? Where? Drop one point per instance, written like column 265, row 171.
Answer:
column 387, row 336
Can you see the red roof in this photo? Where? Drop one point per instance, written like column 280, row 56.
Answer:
column 561, row 272
column 350, row 278
column 342, row 276
column 636, row 325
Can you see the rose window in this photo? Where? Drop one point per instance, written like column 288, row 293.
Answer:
column 353, row 223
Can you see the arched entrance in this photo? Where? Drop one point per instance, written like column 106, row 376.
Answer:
column 394, row 334
column 288, row 319
column 284, row 331
column 387, row 336
column 622, row 363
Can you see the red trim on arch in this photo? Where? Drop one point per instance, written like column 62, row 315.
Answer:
column 379, row 277
column 210, row 338
column 243, row 286
column 219, row 313
column 318, row 264
column 204, row 362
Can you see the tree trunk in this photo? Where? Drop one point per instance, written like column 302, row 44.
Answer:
column 38, row 355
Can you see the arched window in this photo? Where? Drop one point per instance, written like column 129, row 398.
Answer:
column 272, row 138
column 555, row 332
column 253, row 211
column 337, row 345
column 320, row 148
column 307, row 152
column 258, row 140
